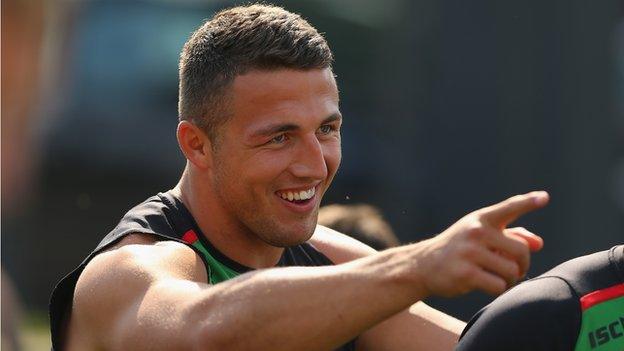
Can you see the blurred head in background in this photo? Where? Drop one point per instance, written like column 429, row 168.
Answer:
column 362, row 222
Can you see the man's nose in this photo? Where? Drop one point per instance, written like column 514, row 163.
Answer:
column 309, row 159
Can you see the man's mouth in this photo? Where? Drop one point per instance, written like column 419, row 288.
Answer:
column 297, row 196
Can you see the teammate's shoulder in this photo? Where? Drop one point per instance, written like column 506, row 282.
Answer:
column 535, row 294
column 539, row 314
column 532, row 301
column 338, row 247
column 591, row 272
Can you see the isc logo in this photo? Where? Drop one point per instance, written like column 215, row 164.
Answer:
column 606, row 333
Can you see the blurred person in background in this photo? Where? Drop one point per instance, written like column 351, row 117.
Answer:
column 232, row 257
column 362, row 222
column 578, row 305
column 22, row 31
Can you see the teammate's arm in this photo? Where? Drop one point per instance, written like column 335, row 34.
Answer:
column 154, row 296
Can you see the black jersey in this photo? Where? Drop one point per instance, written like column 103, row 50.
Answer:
column 166, row 217
column 578, row 305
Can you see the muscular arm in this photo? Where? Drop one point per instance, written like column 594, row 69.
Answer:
column 146, row 295
column 150, row 296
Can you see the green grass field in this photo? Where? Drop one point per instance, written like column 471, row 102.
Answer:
column 35, row 332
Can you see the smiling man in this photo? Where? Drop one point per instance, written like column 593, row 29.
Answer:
column 232, row 258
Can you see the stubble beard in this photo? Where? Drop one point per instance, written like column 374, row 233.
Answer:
column 254, row 222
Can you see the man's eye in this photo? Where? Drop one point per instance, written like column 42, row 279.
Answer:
column 326, row 129
column 278, row 139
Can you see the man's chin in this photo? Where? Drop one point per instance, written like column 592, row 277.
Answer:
column 289, row 238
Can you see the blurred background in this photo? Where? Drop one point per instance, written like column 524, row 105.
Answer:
column 449, row 106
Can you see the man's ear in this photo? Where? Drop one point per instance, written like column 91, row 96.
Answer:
column 195, row 144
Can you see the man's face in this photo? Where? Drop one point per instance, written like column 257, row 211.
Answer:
column 278, row 153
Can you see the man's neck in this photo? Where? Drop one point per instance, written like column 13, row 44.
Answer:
column 238, row 244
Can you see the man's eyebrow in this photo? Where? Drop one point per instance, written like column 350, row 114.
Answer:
column 274, row 129
column 332, row 118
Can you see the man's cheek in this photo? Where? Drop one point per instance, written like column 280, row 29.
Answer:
column 333, row 159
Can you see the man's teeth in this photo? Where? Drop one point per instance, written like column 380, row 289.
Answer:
column 297, row 195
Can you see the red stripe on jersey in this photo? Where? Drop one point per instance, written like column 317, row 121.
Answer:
column 189, row 237
column 598, row 296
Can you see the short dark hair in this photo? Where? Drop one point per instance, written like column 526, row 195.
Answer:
column 235, row 41
column 361, row 221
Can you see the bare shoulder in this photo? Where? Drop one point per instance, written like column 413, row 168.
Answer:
column 143, row 259
column 339, row 247
column 116, row 279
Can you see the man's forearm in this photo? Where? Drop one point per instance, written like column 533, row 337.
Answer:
column 305, row 308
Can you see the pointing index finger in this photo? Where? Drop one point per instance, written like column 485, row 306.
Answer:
column 505, row 212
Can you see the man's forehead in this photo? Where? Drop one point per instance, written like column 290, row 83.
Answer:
column 283, row 84
column 283, row 96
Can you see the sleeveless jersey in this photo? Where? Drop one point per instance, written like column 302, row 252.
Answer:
column 576, row 306
column 166, row 217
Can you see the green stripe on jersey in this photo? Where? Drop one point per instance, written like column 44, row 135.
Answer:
column 602, row 328
column 217, row 271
